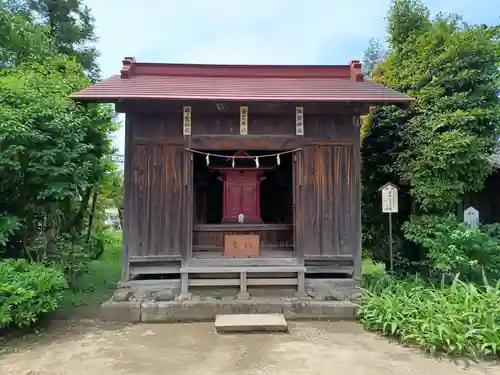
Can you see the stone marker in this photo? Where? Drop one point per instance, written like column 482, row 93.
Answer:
column 250, row 323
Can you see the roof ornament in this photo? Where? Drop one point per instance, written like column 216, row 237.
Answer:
column 221, row 107
column 127, row 67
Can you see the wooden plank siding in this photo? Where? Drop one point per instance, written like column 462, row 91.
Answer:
column 327, row 185
column 159, row 201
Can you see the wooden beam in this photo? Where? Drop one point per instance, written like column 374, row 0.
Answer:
column 329, row 143
column 249, row 282
column 241, row 227
column 213, row 282
column 246, row 142
column 139, row 141
column 330, row 257
column 153, row 270
column 214, row 106
column 330, row 269
column 154, row 258
column 243, row 262
column 236, row 269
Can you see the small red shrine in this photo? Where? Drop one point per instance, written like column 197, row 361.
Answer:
column 241, row 193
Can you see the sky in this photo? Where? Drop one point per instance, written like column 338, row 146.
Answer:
column 250, row 32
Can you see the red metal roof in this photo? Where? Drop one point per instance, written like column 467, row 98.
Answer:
column 336, row 83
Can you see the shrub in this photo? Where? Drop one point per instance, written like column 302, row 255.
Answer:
column 461, row 319
column 69, row 254
column 97, row 244
column 454, row 248
column 66, row 254
column 27, row 291
column 8, row 226
column 493, row 230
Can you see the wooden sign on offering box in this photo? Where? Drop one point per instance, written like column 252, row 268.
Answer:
column 241, row 245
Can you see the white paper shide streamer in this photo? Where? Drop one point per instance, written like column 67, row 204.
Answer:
column 256, row 159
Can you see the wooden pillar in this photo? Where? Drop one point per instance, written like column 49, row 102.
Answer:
column 127, row 196
column 356, row 197
column 188, row 206
column 298, row 233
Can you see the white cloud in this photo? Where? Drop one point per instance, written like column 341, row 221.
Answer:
column 242, row 31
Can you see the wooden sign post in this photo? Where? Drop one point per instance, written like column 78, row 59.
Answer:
column 471, row 217
column 390, row 206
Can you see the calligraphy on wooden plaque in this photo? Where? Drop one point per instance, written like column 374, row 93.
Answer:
column 241, row 245
column 243, row 120
column 186, row 120
column 299, row 120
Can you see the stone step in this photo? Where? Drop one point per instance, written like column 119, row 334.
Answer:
column 225, row 323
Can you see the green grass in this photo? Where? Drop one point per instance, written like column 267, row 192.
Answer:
column 458, row 320
column 371, row 268
column 97, row 283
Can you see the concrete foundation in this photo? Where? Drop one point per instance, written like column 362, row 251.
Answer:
column 167, row 290
column 159, row 301
column 206, row 310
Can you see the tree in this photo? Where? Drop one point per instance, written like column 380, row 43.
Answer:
column 70, row 26
column 374, row 54
column 454, row 127
column 48, row 152
column 21, row 40
column 53, row 150
column 437, row 148
column 406, row 19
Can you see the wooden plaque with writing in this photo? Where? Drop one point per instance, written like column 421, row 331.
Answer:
column 241, row 245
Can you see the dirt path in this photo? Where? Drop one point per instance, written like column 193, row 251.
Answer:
column 187, row 349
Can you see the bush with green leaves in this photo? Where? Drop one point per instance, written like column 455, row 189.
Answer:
column 70, row 255
column 27, row 291
column 8, row 226
column 493, row 230
column 454, row 248
column 461, row 319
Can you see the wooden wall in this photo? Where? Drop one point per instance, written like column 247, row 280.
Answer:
column 156, row 187
column 327, row 201
column 159, row 182
column 158, row 176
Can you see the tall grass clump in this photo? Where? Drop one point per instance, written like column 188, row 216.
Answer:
column 457, row 319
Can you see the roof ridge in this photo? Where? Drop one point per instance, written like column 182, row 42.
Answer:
column 131, row 68
column 250, row 83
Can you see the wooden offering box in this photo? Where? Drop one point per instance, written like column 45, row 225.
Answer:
column 241, row 245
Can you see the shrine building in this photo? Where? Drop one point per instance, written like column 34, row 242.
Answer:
column 241, row 177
